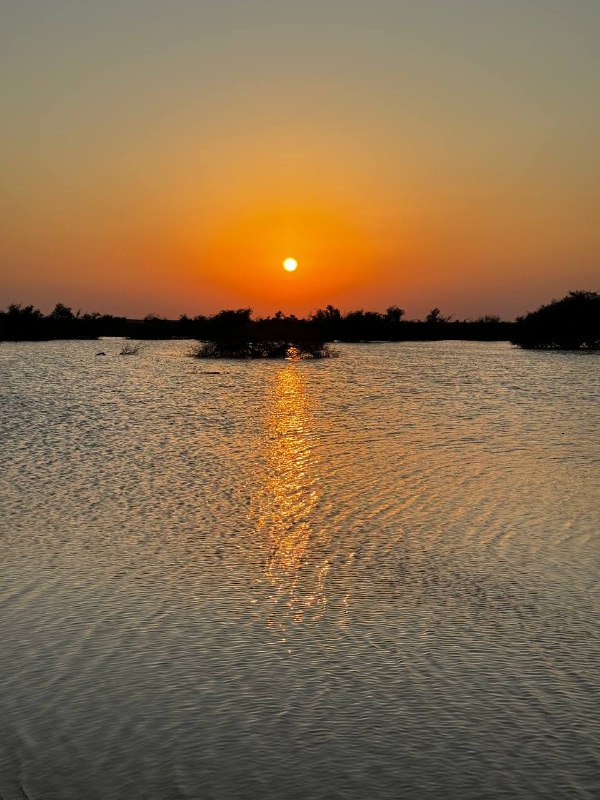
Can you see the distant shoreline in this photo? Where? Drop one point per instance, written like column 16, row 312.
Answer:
column 572, row 323
column 27, row 323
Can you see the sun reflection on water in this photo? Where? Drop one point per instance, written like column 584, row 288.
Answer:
column 283, row 505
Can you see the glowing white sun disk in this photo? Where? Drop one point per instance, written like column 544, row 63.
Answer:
column 290, row 264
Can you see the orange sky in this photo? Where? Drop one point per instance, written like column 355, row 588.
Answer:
column 167, row 161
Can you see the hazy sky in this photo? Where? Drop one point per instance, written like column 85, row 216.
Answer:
column 166, row 156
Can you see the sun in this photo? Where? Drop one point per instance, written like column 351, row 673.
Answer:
column 290, row 264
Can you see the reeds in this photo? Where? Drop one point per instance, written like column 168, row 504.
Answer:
column 130, row 349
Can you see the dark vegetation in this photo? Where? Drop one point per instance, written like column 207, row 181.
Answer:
column 234, row 334
column 264, row 349
column 130, row 349
column 26, row 323
column 230, row 326
column 571, row 323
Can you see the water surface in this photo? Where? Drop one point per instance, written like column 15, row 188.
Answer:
column 368, row 577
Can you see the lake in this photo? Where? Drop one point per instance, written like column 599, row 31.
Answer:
column 373, row 576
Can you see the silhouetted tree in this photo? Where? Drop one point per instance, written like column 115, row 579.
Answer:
column 393, row 315
column 62, row 313
column 328, row 314
column 435, row 317
column 572, row 323
column 328, row 322
column 362, row 326
column 16, row 310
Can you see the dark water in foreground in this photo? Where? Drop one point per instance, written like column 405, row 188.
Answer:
column 370, row 577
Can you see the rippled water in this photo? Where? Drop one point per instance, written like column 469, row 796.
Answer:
column 369, row 577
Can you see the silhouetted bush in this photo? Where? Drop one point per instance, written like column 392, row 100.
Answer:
column 572, row 323
column 240, row 349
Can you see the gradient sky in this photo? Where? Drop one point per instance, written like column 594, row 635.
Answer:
column 166, row 156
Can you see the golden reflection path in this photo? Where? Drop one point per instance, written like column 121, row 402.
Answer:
column 283, row 505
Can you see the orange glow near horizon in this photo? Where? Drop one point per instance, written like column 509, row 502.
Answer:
column 242, row 260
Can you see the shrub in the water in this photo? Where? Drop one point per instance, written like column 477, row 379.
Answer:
column 242, row 349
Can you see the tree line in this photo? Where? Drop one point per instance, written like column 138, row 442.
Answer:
column 572, row 322
column 20, row 322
